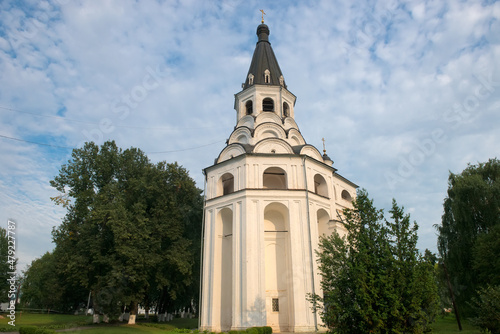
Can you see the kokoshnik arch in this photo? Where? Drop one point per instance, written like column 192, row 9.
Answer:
column 269, row 197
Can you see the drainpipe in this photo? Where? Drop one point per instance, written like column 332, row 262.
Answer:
column 201, row 249
column 310, row 241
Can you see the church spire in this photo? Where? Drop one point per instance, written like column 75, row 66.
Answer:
column 264, row 68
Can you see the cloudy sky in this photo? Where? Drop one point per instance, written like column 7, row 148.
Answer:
column 402, row 91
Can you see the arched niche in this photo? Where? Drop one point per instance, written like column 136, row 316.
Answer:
column 289, row 123
column 246, row 121
column 277, row 263
column 241, row 135
column 295, row 138
column 312, row 152
column 320, row 186
column 231, row 151
column 274, row 178
column 224, row 247
column 269, row 130
column 323, row 223
column 274, row 146
column 225, row 186
column 346, row 195
column 267, row 117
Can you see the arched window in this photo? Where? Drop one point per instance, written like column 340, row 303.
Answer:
column 320, row 186
column 250, row 79
column 227, row 184
column 346, row 195
column 268, row 104
column 267, row 76
column 286, row 110
column 249, row 107
column 274, row 178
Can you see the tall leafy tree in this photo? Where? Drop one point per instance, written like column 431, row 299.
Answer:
column 468, row 235
column 373, row 279
column 130, row 225
column 41, row 286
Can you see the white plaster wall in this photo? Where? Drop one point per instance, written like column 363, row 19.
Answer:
column 248, row 202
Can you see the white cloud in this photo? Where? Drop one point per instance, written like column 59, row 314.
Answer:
column 376, row 81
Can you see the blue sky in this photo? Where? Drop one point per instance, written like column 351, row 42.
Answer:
column 402, row 91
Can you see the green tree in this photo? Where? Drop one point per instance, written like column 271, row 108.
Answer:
column 468, row 238
column 487, row 307
column 373, row 279
column 6, row 264
column 41, row 288
column 130, row 227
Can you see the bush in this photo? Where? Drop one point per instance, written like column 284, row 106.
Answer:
column 267, row 330
column 487, row 308
column 28, row 330
column 253, row 330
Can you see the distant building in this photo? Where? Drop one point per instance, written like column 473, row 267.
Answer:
column 269, row 196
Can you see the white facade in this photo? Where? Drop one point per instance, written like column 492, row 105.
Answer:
column 269, row 196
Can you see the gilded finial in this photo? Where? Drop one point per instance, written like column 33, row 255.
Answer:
column 262, row 11
column 324, row 148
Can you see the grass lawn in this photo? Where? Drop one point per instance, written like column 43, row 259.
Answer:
column 123, row 329
column 443, row 325
column 55, row 320
column 61, row 321
column 448, row 324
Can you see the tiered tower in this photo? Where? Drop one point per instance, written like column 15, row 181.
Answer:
column 269, row 197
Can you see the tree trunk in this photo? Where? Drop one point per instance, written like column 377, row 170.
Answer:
column 133, row 313
column 455, row 308
column 95, row 316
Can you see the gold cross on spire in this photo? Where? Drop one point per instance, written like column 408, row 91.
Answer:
column 324, row 148
column 262, row 11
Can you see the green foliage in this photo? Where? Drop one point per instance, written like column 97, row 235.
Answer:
column 41, row 288
column 5, row 265
column 469, row 233
column 487, row 307
column 131, row 233
column 28, row 330
column 35, row 330
column 373, row 279
column 268, row 330
column 252, row 330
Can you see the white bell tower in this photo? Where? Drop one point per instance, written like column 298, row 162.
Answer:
column 269, row 196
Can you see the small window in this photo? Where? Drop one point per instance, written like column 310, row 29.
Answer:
column 276, row 305
column 249, row 107
column 250, row 79
column 286, row 110
column 268, row 104
column 267, row 76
